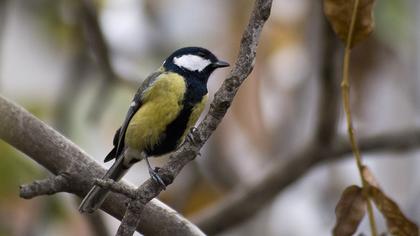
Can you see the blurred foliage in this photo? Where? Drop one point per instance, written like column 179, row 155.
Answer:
column 56, row 210
column 61, row 20
column 393, row 19
column 201, row 196
column 14, row 170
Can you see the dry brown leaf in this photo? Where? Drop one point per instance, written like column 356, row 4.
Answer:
column 369, row 177
column 397, row 223
column 339, row 13
column 349, row 211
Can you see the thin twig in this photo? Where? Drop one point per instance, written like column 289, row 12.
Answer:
column 54, row 152
column 345, row 86
column 58, row 154
column 324, row 134
column 237, row 207
column 51, row 185
column 218, row 108
column 242, row 203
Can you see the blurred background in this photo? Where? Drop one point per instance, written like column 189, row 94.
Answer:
column 77, row 64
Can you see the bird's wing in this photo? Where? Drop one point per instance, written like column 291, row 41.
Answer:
column 134, row 107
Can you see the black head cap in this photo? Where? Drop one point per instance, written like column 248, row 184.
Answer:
column 193, row 62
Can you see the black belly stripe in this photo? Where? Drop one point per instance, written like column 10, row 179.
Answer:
column 170, row 138
column 172, row 135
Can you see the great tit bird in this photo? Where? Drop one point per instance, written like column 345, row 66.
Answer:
column 161, row 114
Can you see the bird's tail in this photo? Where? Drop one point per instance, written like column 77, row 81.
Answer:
column 96, row 196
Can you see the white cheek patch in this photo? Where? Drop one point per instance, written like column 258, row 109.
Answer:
column 192, row 62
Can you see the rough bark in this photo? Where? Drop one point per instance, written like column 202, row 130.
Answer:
column 218, row 108
column 63, row 158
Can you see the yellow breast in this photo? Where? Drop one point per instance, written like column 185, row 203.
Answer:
column 162, row 102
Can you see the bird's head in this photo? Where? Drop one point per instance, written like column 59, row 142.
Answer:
column 193, row 62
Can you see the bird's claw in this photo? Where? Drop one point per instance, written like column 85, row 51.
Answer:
column 192, row 135
column 155, row 176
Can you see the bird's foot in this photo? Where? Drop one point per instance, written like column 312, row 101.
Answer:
column 155, row 176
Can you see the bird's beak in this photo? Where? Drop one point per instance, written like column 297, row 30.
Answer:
column 220, row 64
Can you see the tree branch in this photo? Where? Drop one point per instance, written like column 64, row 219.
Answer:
column 130, row 220
column 231, row 211
column 116, row 187
column 59, row 155
column 396, row 141
column 218, row 108
column 328, row 111
column 51, row 185
column 244, row 202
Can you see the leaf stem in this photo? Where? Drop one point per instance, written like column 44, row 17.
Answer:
column 345, row 88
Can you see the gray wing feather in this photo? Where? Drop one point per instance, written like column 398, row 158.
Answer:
column 134, row 107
